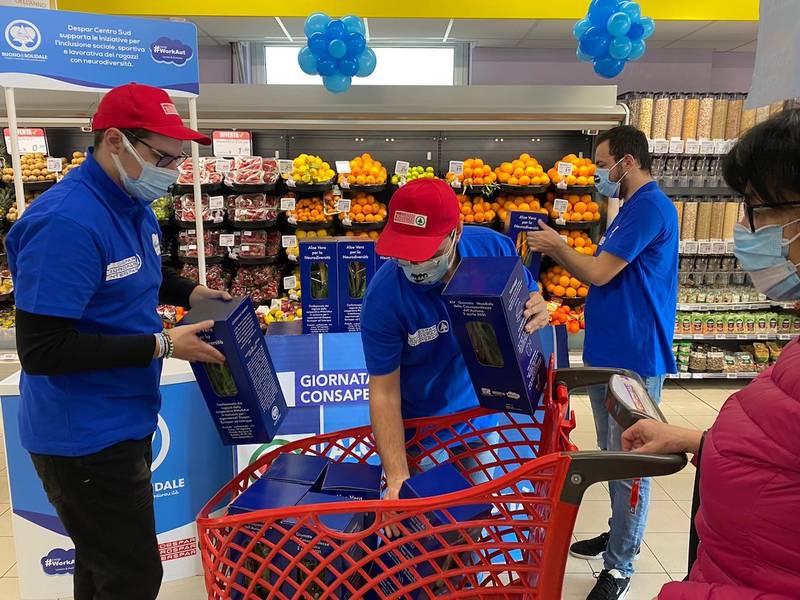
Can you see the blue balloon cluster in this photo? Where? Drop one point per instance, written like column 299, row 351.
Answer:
column 337, row 50
column 612, row 33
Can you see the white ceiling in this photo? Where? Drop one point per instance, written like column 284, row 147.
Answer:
column 723, row 36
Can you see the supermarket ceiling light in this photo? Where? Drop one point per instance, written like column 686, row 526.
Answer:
column 447, row 31
column 285, row 31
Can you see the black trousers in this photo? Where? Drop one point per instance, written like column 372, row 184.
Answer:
column 105, row 502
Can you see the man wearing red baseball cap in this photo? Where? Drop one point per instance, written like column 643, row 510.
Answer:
column 86, row 262
column 415, row 364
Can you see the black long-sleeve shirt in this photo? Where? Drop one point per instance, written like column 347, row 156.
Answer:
column 54, row 346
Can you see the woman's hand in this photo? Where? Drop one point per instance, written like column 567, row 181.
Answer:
column 654, row 437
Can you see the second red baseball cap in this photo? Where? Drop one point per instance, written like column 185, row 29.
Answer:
column 421, row 214
column 137, row 106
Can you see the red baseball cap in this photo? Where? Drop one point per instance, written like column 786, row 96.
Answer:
column 421, row 214
column 136, row 106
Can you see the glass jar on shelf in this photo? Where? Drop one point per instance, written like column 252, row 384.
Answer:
column 677, row 104
column 689, row 223
column 703, row 219
column 748, row 120
column 720, row 116
column 733, row 122
column 705, row 117
column 691, row 113
column 660, row 115
column 645, row 117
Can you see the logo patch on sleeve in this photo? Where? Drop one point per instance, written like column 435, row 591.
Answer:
column 413, row 219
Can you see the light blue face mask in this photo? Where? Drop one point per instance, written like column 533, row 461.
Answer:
column 604, row 185
column 431, row 271
column 153, row 183
column 763, row 253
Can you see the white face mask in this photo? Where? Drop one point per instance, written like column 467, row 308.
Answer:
column 153, row 182
column 431, row 271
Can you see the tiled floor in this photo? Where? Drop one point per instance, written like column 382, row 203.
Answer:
column 666, row 541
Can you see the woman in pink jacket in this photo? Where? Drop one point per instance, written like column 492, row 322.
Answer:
column 748, row 522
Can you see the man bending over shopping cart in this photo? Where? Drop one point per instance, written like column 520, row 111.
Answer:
column 414, row 361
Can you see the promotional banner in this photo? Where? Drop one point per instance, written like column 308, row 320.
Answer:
column 59, row 50
column 189, row 465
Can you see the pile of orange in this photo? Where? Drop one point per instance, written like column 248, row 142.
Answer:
column 477, row 209
column 368, row 235
column 583, row 170
column 476, row 172
column 561, row 284
column 525, row 170
column 365, row 209
column 364, row 170
column 580, row 241
column 581, row 209
column 564, row 315
column 310, row 210
column 509, row 202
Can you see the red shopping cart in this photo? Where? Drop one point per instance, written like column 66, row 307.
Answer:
column 515, row 548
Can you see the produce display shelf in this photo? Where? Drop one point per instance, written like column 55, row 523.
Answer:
column 476, row 190
column 248, row 225
column 310, row 188
column 206, row 224
column 37, row 186
column 726, row 307
column 364, row 226
column 574, row 224
column 257, row 188
column 523, row 190
column 311, row 226
column 363, row 189
column 735, row 336
column 743, row 375
column 205, row 188
column 261, row 260
column 192, row 260
column 578, row 189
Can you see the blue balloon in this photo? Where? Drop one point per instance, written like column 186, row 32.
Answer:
column 608, row 67
column 600, row 11
column 326, row 66
column 316, row 23
column 337, row 48
column 635, row 32
column 620, row 47
column 307, row 61
column 348, row 66
column 583, row 57
column 633, row 10
column 580, row 28
column 318, row 45
column 648, row 26
column 337, row 83
column 354, row 24
column 335, row 30
column 355, row 44
column 638, row 48
column 595, row 42
column 366, row 63
column 618, row 24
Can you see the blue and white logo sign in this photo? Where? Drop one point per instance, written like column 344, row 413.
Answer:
column 59, row 562
column 23, row 36
column 60, row 50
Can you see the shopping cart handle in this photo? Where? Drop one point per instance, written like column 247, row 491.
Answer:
column 581, row 377
column 587, row 468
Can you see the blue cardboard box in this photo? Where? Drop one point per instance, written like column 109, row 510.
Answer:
column 520, row 223
column 485, row 300
column 355, row 481
column 244, row 394
column 442, row 479
column 356, row 265
column 298, row 468
column 319, row 282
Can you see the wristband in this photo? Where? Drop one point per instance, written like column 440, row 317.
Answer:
column 160, row 345
column 170, row 345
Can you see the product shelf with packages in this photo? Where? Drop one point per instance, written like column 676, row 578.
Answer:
column 505, row 537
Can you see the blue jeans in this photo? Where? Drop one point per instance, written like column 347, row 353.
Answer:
column 627, row 524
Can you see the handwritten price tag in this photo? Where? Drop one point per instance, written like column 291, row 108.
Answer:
column 288, row 203
column 564, row 169
column 401, row 168
column 54, row 165
column 285, row 166
column 344, row 206
column 560, row 205
column 456, row 167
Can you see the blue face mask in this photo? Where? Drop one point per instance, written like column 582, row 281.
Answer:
column 603, row 183
column 431, row 271
column 153, row 183
column 763, row 254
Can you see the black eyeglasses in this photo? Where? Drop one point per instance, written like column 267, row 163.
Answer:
column 750, row 210
column 164, row 160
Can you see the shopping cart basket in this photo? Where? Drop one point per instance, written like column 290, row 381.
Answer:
column 516, row 548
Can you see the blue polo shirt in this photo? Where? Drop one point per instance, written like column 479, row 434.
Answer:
column 630, row 321
column 405, row 325
column 86, row 251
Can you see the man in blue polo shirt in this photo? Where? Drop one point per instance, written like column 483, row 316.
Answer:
column 415, row 364
column 87, row 270
column 630, row 319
